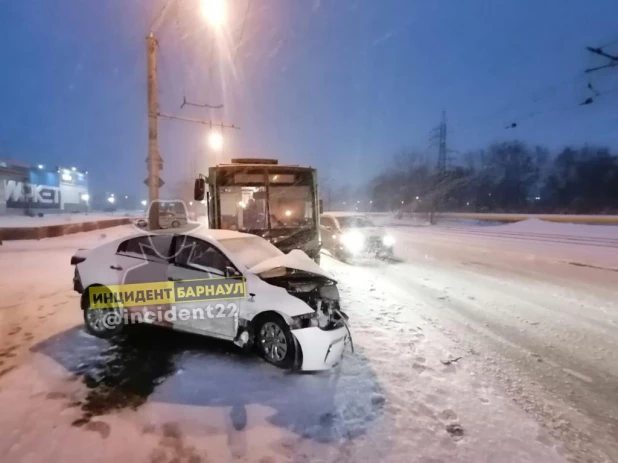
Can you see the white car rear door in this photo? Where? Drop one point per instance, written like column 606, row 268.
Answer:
column 144, row 259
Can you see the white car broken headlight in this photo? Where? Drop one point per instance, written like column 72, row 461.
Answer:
column 388, row 240
column 305, row 320
column 329, row 292
column 303, row 287
column 354, row 241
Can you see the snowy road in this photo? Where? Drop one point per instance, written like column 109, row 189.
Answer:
column 534, row 312
column 536, row 381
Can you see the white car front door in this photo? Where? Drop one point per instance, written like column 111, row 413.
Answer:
column 215, row 316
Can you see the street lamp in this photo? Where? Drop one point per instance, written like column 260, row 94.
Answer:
column 215, row 12
column 215, row 140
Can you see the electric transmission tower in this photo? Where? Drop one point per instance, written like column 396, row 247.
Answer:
column 441, row 135
column 438, row 138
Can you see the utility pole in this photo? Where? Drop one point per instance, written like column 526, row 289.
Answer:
column 214, row 13
column 612, row 59
column 154, row 160
column 612, row 62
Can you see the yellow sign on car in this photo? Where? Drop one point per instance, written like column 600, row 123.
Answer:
column 167, row 292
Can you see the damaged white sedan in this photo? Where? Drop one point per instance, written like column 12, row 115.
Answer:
column 289, row 309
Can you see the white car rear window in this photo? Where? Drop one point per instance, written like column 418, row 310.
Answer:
column 250, row 250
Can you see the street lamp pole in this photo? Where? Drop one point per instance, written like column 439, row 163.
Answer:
column 214, row 11
column 154, row 160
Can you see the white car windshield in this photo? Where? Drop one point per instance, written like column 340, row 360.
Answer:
column 357, row 221
column 250, row 250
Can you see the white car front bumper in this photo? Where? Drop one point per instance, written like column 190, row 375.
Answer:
column 321, row 349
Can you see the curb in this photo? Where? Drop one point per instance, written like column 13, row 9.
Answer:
column 52, row 231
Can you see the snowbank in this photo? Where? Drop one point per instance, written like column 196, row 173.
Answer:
column 22, row 221
column 557, row 228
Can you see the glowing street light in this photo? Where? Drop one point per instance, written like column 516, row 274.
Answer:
column 41, row 166
column 144, row 202
column 214, row 12
column 85, row 197
column 111, row 199
column 288, row 213
column 215, row 140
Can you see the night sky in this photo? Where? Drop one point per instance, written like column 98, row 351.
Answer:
column 338, row 84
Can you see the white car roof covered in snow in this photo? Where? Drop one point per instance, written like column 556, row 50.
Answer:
column 295, row 259
column 219, row 234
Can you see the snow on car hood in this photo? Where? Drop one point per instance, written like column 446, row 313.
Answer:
column 295, row 259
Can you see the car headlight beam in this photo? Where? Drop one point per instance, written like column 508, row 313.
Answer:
column 354, row 241
column 388, row 240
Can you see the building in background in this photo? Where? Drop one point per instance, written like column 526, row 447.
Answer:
column 31, row 190
column 73, row 190
column 10, row 175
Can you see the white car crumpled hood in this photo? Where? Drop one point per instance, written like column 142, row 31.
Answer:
column 295, row 259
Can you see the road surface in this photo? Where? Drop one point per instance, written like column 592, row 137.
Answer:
column 471, row 348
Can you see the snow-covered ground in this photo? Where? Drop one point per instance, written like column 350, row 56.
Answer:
column 19, row 221
column 533, row 239
column 471, row 348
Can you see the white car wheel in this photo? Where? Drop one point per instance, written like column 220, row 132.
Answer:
column 276, row 342
column 103, row 323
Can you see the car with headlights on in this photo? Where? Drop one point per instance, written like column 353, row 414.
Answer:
column 289, row 313
column 347, row 235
